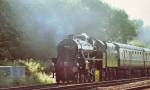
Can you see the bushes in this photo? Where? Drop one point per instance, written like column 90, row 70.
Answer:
column 3, row 78
column 36, row 71
column 34, row 74
column 44, row 78
column 32, row 65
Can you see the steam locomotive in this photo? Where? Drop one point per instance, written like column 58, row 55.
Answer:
column 81, row 57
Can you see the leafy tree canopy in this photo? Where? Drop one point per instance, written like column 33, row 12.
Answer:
column 33, row 28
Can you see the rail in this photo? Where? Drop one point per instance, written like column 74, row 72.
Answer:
column 139, row 87
column 81, row 86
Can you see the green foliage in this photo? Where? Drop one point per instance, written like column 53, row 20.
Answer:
column 35, row 74
column 9, row 36
column 44, row 78
column 36, row 71
column 4, row 79
column 7, row 62
column 137, row 43
column 33, row 66
column 31, row 29
column 148, row 46
column 120, row 28
column 2, row 75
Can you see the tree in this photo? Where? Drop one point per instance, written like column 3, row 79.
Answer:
column 137, row 43
column 120, row 28
column 8, row 35
column 33, row 28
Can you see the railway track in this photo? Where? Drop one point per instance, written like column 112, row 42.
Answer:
column 143, row 87
column 82, row 86
column 29, row 87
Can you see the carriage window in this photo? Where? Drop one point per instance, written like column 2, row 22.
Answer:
column 124, row 51
column 124, row 54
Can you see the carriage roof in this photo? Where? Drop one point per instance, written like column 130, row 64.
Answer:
column 126, row 46
column 146, row 49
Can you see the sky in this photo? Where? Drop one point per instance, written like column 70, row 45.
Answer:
column 136, row 9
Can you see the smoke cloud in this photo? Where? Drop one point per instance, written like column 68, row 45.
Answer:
column 59, row 17
column 46, row 22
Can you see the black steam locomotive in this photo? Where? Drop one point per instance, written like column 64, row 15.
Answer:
column 84, row 59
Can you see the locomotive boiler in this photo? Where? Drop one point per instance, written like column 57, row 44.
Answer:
column 79, row 57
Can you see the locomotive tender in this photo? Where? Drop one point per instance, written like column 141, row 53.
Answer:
column 80, row 56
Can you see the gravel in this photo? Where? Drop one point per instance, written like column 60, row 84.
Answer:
column 125, row 86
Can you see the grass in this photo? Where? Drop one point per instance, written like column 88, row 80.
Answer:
column 35, row 74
